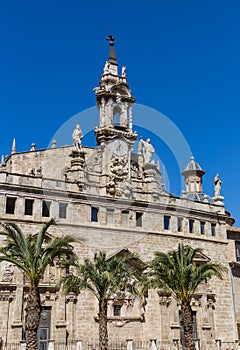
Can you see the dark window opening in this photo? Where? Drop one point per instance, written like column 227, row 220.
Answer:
column 167, row 222
column 202, row 227
column 46, row 208
column 139, row 219
column 213, row 230
column 10, row 205
column 179, row 223
column 116, row 119
column 191, row 225
column 94, row 214
column 63, row 210
column 237, row 246
column 117, row 310
column 28, row 206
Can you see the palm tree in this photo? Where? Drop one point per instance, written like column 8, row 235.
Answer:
column 103, row 277
column 32, row 254
column 179, row 273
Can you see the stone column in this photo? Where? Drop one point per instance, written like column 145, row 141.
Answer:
column 71, row 300
column 79, row 345
column 218, row 343
column 60, row 316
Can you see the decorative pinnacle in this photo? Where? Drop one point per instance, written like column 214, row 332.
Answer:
column 111, row 40
column 13, row 146
column 112, row 55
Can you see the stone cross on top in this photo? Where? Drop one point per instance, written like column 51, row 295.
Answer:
column 111, row 40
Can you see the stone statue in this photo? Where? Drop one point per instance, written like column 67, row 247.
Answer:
column 147, row 150
column 123, row 71
column 217, row 186
column 77, row 138
column 106, row 67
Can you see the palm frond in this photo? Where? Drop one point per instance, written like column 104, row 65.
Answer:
column 178, row 272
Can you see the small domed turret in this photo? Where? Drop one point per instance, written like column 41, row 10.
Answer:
column 193, row 174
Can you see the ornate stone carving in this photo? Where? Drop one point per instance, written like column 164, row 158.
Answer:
column 196, row 300
column 118, row 174
column 7, row 275
column 126, row 301
column 76, row 172
column 211, row 301
column 71, row 297
column 7, row 295
column 165, row 299
column 136, row 173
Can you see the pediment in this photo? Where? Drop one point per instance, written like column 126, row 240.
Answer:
column 136, row 262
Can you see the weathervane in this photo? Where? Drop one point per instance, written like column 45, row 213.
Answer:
column 111, row 40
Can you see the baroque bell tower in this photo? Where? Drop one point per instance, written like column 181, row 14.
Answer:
column 114, row 134
column 114, row 101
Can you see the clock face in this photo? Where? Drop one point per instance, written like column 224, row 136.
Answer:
column 119, row 147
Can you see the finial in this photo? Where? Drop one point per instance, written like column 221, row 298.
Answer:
column 13, row 146
column 33, row 148
column 112, row 55
column 192, row 158
column 111, row 40
column 54, row 143
column 3, row 161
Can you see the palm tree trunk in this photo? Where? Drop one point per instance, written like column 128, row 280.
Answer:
column 103, row 332
column 33, row 311
column 187, row 322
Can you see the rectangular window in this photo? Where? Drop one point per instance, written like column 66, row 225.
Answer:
column 44, row 329
column 94, row 214
column 46, row 208
column 110, row 216
column 180, row 224
column 63, row 210
column 28, row 206
column 43, row 338
column 191, row 225
column 237, row 246
column 10, row 205
column 167, row 222
column 238, row 330
column 117, row 310
column 202, row 227
column 125, row 217
column 213, row 230
column 139, row 219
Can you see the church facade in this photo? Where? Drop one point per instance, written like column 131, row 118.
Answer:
column 114, row 200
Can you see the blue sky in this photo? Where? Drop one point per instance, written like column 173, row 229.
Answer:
column 182, row 59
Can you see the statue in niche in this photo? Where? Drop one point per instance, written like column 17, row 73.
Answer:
column 217, row 186
column 77, row 138
column 147, row 150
